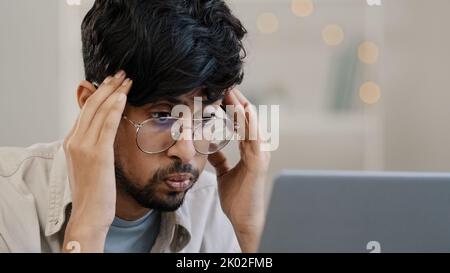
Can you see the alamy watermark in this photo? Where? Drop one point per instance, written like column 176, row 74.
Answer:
column 231, row 122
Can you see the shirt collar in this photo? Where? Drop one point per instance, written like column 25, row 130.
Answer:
column 175, row 231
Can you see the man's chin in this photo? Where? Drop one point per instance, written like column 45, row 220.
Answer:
column 167, row 201
column 173, row 203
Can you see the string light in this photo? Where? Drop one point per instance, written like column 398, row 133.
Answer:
column 368, row 53
column 73, row 2
column 302, row 8
column 267, row 23
column 333, row 35
column 370, row 93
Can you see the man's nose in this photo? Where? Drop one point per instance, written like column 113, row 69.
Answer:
column 184, row 150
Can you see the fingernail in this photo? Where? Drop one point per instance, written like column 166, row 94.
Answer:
column 126, row 82
column 119, row 74
column 107, row 80
column 121, row 97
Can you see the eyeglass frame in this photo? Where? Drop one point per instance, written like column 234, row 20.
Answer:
column 138, row 127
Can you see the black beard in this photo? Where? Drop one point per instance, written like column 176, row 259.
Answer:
column 146, row 196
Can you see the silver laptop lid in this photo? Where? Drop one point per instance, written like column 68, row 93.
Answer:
column 358, row 212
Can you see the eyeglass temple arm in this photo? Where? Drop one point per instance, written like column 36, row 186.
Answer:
column 136, row 125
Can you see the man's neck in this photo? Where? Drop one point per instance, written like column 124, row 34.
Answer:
column 128, row 209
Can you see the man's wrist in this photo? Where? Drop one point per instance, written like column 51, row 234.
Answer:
column 249, row 241
column 249, row 237
column 84, row 238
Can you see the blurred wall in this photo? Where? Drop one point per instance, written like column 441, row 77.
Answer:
column 417, row 91
column 29, row 110
column 408, row 129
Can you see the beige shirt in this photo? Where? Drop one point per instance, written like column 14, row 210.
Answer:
column 35, row 199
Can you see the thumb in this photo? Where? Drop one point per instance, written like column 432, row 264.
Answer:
column 219, row 162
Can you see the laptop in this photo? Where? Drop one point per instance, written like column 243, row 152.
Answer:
column 352, row 212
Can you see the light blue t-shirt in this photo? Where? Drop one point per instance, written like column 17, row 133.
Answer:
column 133, row 236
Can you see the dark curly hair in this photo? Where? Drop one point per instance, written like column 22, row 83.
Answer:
column 168, row 47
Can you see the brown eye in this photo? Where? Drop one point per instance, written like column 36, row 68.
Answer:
column 161, row 115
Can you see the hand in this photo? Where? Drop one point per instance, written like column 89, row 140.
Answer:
column 89, row 150
column 242, row 188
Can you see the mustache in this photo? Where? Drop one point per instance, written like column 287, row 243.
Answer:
column 177, row 167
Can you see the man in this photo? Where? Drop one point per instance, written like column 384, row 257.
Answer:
column 120, row 181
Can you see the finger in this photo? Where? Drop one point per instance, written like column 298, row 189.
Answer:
column 68, row 139
column 241, row 119
column 72, row 130
column 103, row 112
column 97, row 99
column 111, row 124
column 65, row 147
column 251, row 116
column 219, row 162
column 252, row 122
column 228, row 104
column 252, row 141
column 241, row 98
column 246, row 117
column 239, row 116
column 227, row 100
column 250, row 112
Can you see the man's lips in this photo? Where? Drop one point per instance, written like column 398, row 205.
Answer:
column 179, row 182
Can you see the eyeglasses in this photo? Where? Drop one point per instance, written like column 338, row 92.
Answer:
column 157, row 135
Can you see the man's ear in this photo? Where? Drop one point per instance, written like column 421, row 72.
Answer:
column 85, row 90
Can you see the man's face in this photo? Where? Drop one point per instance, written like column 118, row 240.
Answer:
column 157, row 181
